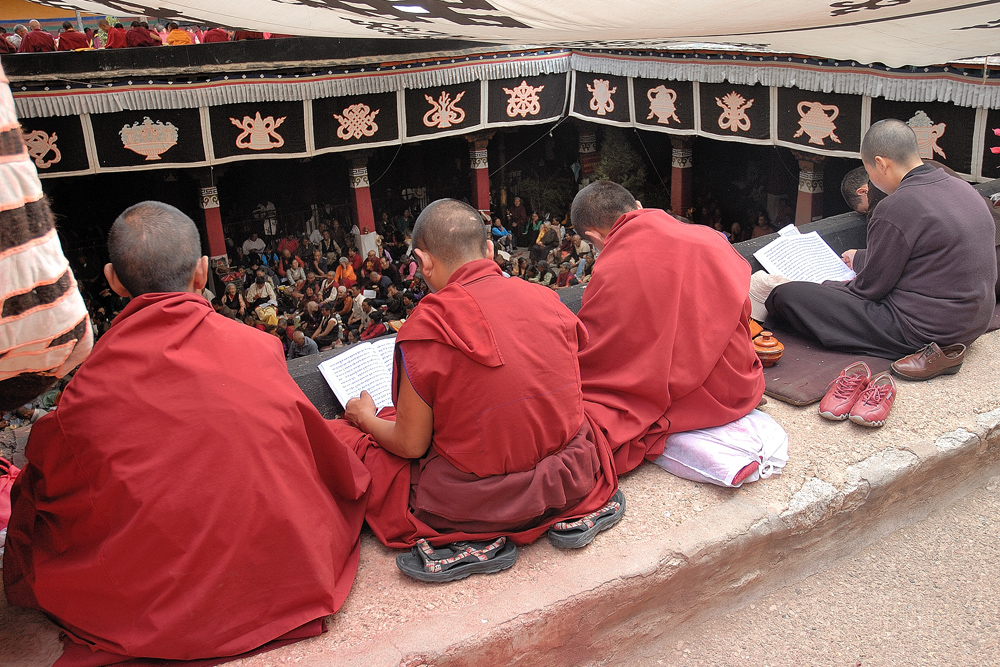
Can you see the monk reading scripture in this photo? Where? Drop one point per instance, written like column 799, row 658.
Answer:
column 171, row 507
column 928, row 274
column 670, row 347
column 489, row 445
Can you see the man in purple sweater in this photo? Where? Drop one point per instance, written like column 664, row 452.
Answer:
column 928, row 273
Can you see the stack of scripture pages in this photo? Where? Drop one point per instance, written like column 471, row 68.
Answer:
column 798, row 256
column 365, row 366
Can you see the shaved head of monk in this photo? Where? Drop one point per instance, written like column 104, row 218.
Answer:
column 598, row 206
column 889, row 151
column 452, row 232
column 154, row 247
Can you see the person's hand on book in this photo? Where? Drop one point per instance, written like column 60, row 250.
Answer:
column 359, row 409
column 848, row 258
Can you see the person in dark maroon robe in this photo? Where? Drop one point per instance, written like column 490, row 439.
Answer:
column 139, row 35
column 177, row 505
column 70, row 40
column 116, row 36
column 5, row 45
column 670, row 347
column 36, row 40
column 489, row 436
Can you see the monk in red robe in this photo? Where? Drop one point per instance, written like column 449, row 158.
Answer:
column 489, row 440
column 70, row 40
column 36, row 40
column 116, row 36
column 178, row 505
column 668, row 312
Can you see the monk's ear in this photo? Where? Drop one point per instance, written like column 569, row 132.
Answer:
column 114, row 283
column 425, row 261
column 490, row 249
column 200, row 276
column 596, row 237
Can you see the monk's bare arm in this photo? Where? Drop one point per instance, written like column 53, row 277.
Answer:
column 410, row 435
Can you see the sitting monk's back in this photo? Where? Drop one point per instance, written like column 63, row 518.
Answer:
column 516, row 345
column 945, row 292
column 670, row 350
column 177, row 504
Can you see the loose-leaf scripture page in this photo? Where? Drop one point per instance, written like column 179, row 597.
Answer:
column 803, row 257
column 364, row 367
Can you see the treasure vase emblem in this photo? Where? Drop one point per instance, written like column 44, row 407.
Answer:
column 40, row 144
column 358, row 121
column 734, row 112
column 661, row 104
column 444, row 111
column 927, row 135
column 149, row 138
column 816, row 120
column 260, row 131
column 523, row 100
column 600, row 97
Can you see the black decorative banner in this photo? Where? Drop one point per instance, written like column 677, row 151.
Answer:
column 258, row 129
column 526, row 99
column 991, row 145
column 443, row 109
column 739, row 111
column 831, row 121
column 55, row 144
column 601, row 97
column 944, row 131
column 665, row 105
column 358, row 119
column 148, row 138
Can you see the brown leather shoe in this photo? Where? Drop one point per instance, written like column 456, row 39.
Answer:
column 930, row 361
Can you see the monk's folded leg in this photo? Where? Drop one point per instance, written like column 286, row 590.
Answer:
column 838, row 319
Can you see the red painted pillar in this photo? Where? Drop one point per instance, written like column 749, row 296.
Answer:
column 479, row 163
column 213, row 224
column 809, row 204
column 361, row 204
column 681, row 161
column 589, row 156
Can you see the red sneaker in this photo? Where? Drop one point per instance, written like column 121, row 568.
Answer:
column 845, row 391
column 873, row 407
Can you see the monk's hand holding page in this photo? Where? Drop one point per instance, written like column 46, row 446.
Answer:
column 359, row 409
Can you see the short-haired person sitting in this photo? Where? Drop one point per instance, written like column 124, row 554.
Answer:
column 488, row 445
column 929, row 272
column 688, row 361
column 166, row 511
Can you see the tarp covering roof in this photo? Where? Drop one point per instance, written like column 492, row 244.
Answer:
column 894, row 32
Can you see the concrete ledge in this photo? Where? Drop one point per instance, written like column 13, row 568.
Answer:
column 683, row 550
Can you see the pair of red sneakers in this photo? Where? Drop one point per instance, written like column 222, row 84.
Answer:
column 856, row 395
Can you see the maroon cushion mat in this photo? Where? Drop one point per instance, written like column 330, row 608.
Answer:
column 805, row 370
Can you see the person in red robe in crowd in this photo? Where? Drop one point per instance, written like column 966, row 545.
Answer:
column 178, row 506
column 5, row 45
column 215, row 35
column 670, row 347
column 116, row 36
column 140, row 35
column 36, row 40
column 70, row 40
column 488, row 443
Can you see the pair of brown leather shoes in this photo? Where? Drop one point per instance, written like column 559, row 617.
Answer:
column 930, row 361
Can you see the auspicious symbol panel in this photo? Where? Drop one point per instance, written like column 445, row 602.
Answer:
column 662, row 104
column 602, row 96
column 444, row 111
column 148, row 138
column 358, row 120
column 927, row 135
column 259, row 134
column 816, row 120
column 734, row 112
column 40, row 145
column 523, row 100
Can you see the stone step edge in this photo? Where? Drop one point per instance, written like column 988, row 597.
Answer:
column 739, row 550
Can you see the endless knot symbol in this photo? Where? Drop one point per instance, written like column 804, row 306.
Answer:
column 734, row 112
column 41, row 144
column 444, row 112
column 523, row 100
column 358, row 121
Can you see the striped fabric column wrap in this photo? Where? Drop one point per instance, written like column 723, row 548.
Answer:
column 44, row 325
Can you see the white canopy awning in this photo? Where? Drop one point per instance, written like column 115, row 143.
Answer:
column 894, row 32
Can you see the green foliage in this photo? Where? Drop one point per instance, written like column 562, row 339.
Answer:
column 622, row 163
column 548, row 191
